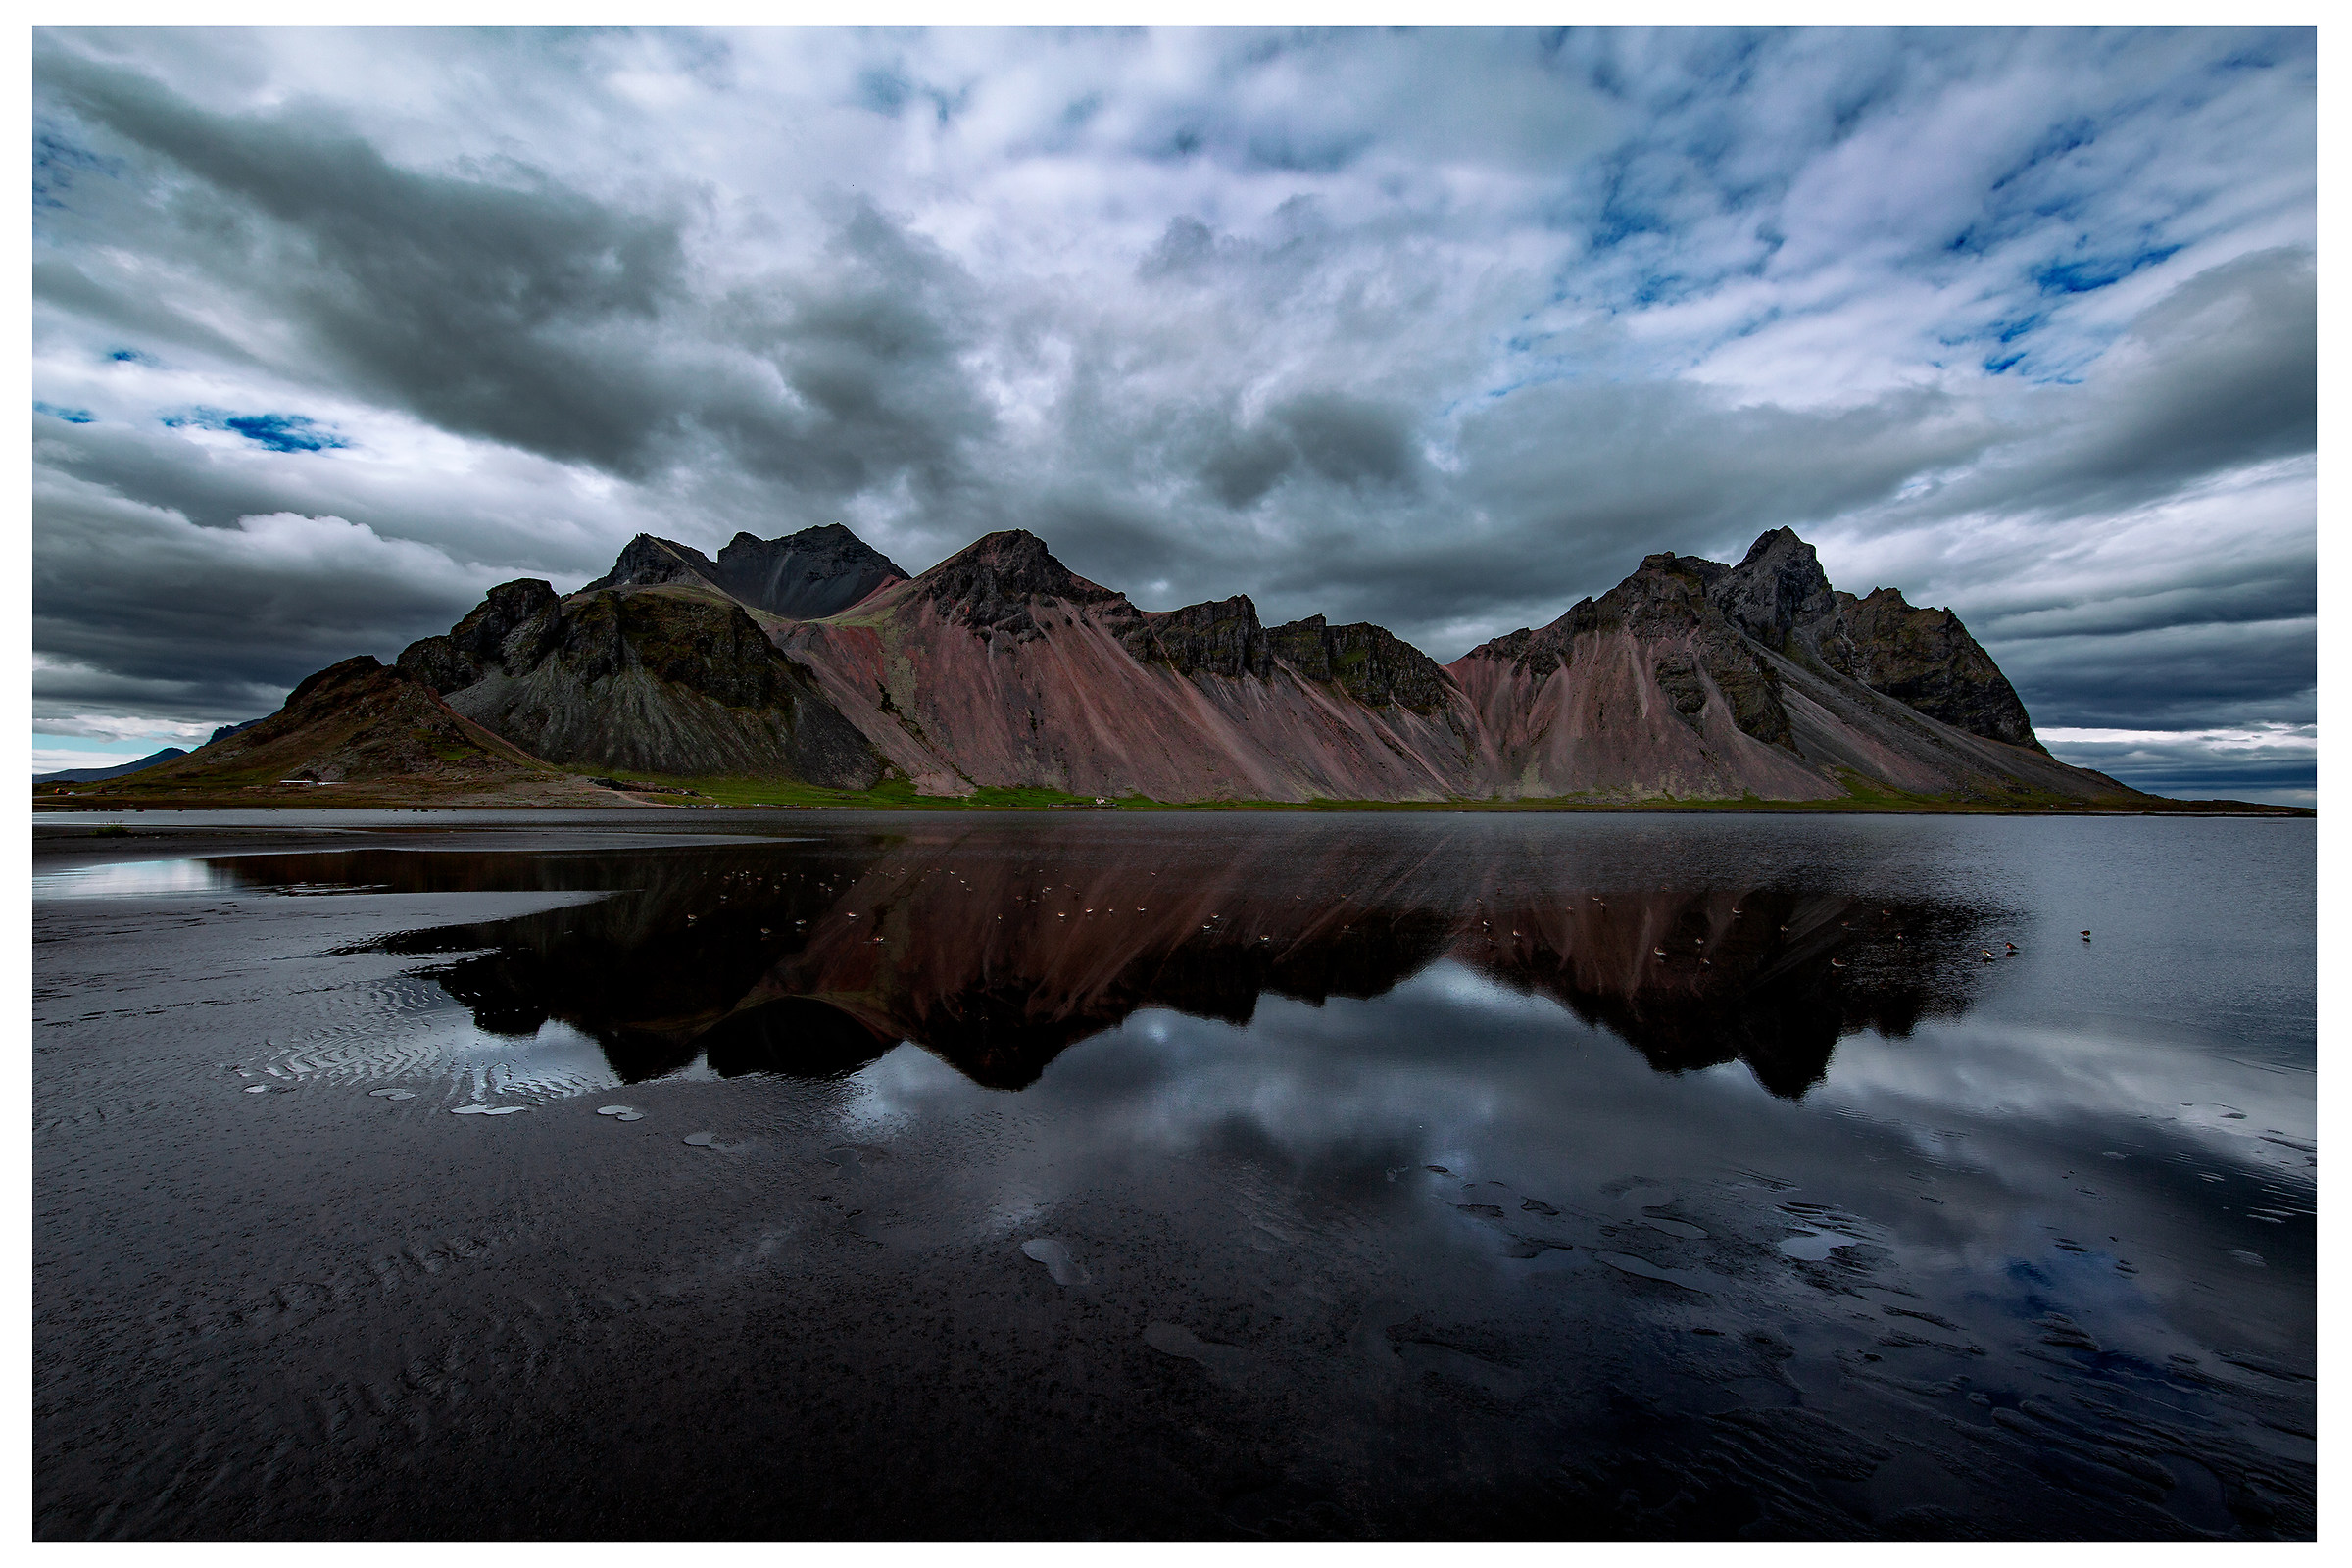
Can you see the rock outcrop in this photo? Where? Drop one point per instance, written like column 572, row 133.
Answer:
column 674, row 678
column 1926, row 660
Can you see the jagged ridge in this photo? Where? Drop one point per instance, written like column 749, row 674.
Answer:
column 664, row 679
column 818, row 572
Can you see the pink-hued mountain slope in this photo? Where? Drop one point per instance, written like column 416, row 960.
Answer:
column 1697, row 680
column 999, row 667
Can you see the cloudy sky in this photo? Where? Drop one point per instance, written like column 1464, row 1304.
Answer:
column 333, row 330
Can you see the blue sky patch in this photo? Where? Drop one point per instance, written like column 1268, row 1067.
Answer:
column 279, row 432
column 69, row 416
column 2094, row 273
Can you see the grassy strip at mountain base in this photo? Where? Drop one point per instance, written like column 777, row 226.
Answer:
column 898, row 795
column 890, row 795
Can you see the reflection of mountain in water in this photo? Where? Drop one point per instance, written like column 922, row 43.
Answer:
column 997, row 954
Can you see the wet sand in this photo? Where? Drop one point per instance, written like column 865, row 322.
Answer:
column 1171, row 1177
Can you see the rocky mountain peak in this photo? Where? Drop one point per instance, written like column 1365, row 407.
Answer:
column 992, row 582
column 649, row 560
column 807, row 575
column 1777, row 588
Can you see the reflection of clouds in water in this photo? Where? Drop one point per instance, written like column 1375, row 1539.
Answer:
column 1352, row 1085
column 2067, row 1077
column 1970, row 1152
column 125, row 880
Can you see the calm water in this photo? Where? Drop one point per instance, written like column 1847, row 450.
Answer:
column 815, row 1175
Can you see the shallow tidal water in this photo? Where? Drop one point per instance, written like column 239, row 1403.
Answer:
column 818, row 1174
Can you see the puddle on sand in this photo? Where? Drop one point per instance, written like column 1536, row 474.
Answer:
column 392, row 1093
column 1056, row 1255
column 257, row 1088
column 488, row 1111
column 701, row 1139
column 1813, row 1246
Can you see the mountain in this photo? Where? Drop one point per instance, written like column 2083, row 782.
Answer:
column 671, row 678
column 813, row 659
column 818, row 572
column 92, row 775
column 1699, row 680
column 362, row 724
column 999, row 667
column 1691, row 680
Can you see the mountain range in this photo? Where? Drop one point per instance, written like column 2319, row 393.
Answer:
column 815, row 664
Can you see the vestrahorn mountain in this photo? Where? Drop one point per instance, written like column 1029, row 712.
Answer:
column 812, row 661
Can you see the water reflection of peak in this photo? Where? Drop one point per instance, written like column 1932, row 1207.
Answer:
column 998, row 955
column 1770, row 979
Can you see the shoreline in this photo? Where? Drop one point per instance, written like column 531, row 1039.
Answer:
column 84, row 804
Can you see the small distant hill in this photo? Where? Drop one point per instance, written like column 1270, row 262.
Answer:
column 363, row 728
column 92, row 775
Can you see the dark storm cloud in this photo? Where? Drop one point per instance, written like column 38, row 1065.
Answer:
column 124, row 592
column 503, row 310
column 870, row 358
column 2265, row 586
column 126, row 309
column 158, row 470
column 1350, row 440
column 2194, row 677
column 1441, row 329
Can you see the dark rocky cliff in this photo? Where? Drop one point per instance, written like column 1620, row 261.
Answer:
column 1926, row 660
column 1224, row 637
column 1367, row 662
column 664, row 679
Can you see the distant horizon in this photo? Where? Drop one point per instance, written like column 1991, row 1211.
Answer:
column 334, row 330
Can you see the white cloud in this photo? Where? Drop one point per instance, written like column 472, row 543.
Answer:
column 121, row 728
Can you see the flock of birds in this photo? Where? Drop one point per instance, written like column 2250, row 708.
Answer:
column 2011, row 948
